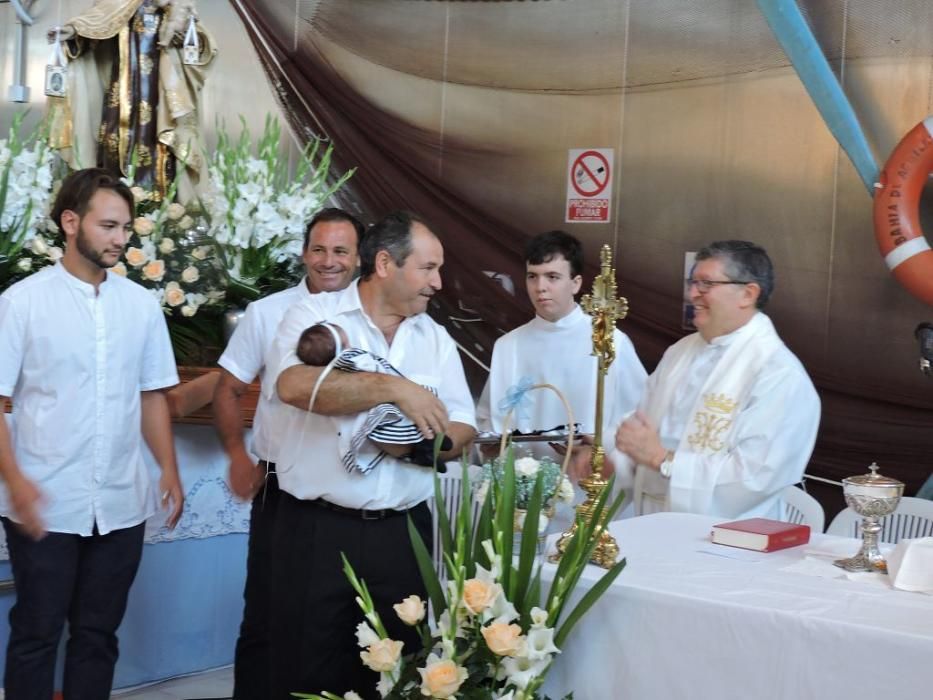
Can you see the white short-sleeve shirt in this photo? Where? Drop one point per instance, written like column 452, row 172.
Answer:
column 74, row 361
column 308, row 460
column 244, row 359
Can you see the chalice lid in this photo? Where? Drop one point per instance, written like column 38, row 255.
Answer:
column 875, row 480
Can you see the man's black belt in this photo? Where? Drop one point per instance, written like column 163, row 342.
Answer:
column 359, row 513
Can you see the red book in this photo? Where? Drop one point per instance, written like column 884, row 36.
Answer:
column 761, row 534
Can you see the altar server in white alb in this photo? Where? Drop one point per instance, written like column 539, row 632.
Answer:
column 84, row 354
column 556, row 347
column 729, row 417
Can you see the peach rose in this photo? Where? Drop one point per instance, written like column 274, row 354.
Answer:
column 382, row 656
column 136, row 256
column 479, row 595
column 119, row 269
column 174, row 295
column 504, row 639
column 186, row 223
column 410, row 611
column 201, row 252
column 139, row 194
column 143, row 226
column 175, row 211
column 441, row 678
column 154, row 270
column 166, row 246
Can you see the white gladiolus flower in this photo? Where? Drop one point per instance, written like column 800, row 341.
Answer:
column 565, row 491
column 539, row 643
column 365, row 635
column 521, row 671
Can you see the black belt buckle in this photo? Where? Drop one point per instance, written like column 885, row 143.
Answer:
column 372, row 514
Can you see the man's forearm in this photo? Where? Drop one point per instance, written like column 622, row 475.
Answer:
column 8, row 467
column 157, row 429
column 340, row 393
column 227, row 416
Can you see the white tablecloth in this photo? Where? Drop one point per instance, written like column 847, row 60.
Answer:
column 688, row 619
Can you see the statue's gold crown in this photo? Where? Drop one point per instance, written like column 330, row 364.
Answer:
column 720, row 403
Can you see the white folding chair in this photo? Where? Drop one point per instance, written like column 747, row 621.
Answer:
column 913, row 518
column 802, row 508
column 451, row 486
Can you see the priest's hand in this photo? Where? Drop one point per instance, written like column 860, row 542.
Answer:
column 638, row 438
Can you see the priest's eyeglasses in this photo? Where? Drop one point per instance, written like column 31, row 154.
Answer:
column 703, row 286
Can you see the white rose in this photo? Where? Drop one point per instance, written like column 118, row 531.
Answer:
column 166, row 245
column 188, row 310
column 175, row 211
column 186, row 223
column 565, row 491
column 24, row 264
column 190, row 274
column 201, row 252
column 55, row 253
column 139, row 194
column 410, row 611
column 39, row 246
column 526, row 466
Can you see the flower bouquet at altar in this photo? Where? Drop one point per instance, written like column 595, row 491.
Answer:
column 169, row 254
column 494, row 633
column 258, row 209
column 556, row 486
column 25, row 198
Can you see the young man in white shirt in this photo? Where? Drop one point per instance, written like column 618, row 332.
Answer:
column 730, row 416
column 326, row 509
column 331, row 258
column 556, row 347
column 84, row 355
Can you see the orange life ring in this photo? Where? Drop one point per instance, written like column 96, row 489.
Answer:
column 897, row 211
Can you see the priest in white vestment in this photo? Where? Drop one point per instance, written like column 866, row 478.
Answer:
column 729, row 417
column 555, row 347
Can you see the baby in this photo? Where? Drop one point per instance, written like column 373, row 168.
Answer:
column 384, row 425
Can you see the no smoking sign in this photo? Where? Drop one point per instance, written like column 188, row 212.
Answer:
column 589, row 185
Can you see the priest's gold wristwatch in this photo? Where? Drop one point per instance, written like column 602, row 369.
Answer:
column 666, row 464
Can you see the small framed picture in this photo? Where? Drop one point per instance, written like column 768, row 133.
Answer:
column 55, row 85
column 191, row 55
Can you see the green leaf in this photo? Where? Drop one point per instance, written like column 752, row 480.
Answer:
column 443, row 522
column 529, row 548
column 590, row 597
column 426, row 567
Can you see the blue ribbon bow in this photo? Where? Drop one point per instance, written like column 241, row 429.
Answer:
column 516, row 397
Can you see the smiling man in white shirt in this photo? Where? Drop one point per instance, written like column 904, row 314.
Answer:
column 84, row 354
column 331, row 258
column 729, row 417
column 326, row 509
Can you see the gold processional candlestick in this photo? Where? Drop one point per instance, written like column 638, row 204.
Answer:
column 605, row 309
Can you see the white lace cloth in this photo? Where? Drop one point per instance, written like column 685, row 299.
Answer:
column 210, row 507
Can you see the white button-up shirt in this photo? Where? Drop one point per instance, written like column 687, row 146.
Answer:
column 74, row 361
column 244, row 355
column 308, row 460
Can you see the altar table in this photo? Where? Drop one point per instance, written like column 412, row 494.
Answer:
column 689, row 619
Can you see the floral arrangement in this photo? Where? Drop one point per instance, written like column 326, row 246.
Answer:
column 25, row 197
column 169, row 254
column 493, row 635
column 527, row 470
column 258, row 210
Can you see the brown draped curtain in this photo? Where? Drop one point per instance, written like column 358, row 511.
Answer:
column 864, row 418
